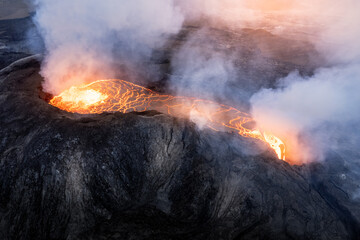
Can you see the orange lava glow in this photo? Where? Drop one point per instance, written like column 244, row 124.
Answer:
column 121, row 96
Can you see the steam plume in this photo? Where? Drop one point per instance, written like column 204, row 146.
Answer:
column 315, row 112
column 80, row 36
column 87, row 39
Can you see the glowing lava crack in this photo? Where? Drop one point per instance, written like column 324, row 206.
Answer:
column 121, row 96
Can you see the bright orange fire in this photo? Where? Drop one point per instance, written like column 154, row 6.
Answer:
column 121, row 96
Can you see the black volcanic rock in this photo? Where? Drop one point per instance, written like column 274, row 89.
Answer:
column 18, row 39
column 144, row 176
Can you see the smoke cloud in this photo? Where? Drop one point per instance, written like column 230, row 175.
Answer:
column 314, row 114
column 86, row 40
column 320, row 113
column 302, row 106
column 201, row 70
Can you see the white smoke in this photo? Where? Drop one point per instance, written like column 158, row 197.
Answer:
column 88, row 39
column 81, row 36
column 304, row 105
column 200, row 70
column 317, row 111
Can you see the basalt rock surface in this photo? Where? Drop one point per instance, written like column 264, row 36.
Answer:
column 18, row 39
column 146, row 176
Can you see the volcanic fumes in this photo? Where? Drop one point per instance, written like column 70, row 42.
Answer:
column 121, row 96
column 121, row 39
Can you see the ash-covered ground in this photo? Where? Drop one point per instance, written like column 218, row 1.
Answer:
column 151, row 176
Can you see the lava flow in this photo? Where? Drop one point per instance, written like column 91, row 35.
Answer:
column 121, row 96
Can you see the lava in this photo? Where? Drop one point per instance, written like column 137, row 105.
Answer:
column 120, row 96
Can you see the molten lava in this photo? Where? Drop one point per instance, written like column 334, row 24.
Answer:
column 121, row 96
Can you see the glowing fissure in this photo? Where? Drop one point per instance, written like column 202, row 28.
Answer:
column 121, row 96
